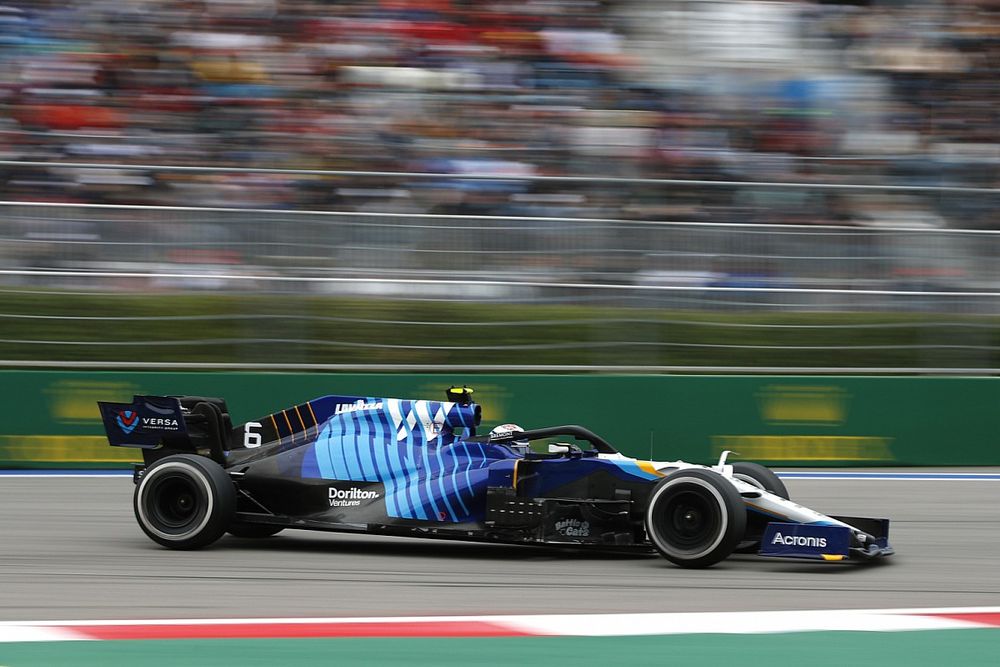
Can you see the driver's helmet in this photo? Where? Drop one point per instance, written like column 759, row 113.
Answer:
column 519, row 446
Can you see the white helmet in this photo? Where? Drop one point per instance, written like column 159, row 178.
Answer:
column 506, row 430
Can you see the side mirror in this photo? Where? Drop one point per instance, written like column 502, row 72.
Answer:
column 558, row 449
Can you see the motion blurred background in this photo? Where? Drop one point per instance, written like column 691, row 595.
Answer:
column 435, row 184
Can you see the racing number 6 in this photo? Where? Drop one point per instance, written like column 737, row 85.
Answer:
column 251, row 438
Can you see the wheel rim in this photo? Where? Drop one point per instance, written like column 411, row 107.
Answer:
column 690, row 522
column 175, row 502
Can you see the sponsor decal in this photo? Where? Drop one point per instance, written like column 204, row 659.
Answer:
column 127, row 420
column 806, row 541
column 573, row 528
column 799, row 541
column 803, row 404
column 162, row 423
column 341, row 408
column 351, row 497
column 505, row 431
column 806, row 447
column 72, row 401
column 432, row 429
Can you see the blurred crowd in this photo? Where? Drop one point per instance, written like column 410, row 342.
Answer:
column 872, row 92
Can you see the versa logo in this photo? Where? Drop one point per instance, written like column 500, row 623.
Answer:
column 162, row 422
column 127, row 420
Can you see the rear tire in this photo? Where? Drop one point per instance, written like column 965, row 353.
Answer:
column 184, row 501
column 253, row 530
column 695, row 518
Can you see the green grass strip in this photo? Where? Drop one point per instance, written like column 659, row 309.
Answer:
column 969, row 648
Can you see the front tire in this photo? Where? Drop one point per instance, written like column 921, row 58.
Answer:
column 761, row 477
column 764, row 479
column 695, row 518
column 184, row 501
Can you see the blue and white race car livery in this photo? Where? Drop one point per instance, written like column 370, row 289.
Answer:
column 418, row 467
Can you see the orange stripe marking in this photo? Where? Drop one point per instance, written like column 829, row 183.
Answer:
column 313, row 414
column 277, row 431
column 302, row 421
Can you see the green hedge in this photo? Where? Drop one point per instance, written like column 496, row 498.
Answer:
column 430, row 332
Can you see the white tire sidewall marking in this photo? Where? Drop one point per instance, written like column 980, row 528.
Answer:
column 653, row 535
column 197, row 474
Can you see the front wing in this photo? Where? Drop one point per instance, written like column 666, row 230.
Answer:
column 860, row 538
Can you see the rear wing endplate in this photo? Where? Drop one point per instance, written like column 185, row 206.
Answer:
column 144, row 422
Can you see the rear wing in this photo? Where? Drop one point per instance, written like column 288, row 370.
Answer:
column 144, row 422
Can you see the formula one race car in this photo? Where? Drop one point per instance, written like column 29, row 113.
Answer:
column 416, row 467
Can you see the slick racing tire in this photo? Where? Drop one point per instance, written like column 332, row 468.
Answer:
column 763, row 478
column 695, row 518
column 253, row 530
column 184, row 501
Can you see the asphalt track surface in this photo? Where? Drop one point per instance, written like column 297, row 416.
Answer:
column 70, row 549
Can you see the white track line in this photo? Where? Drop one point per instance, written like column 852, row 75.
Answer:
column 596, row 625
